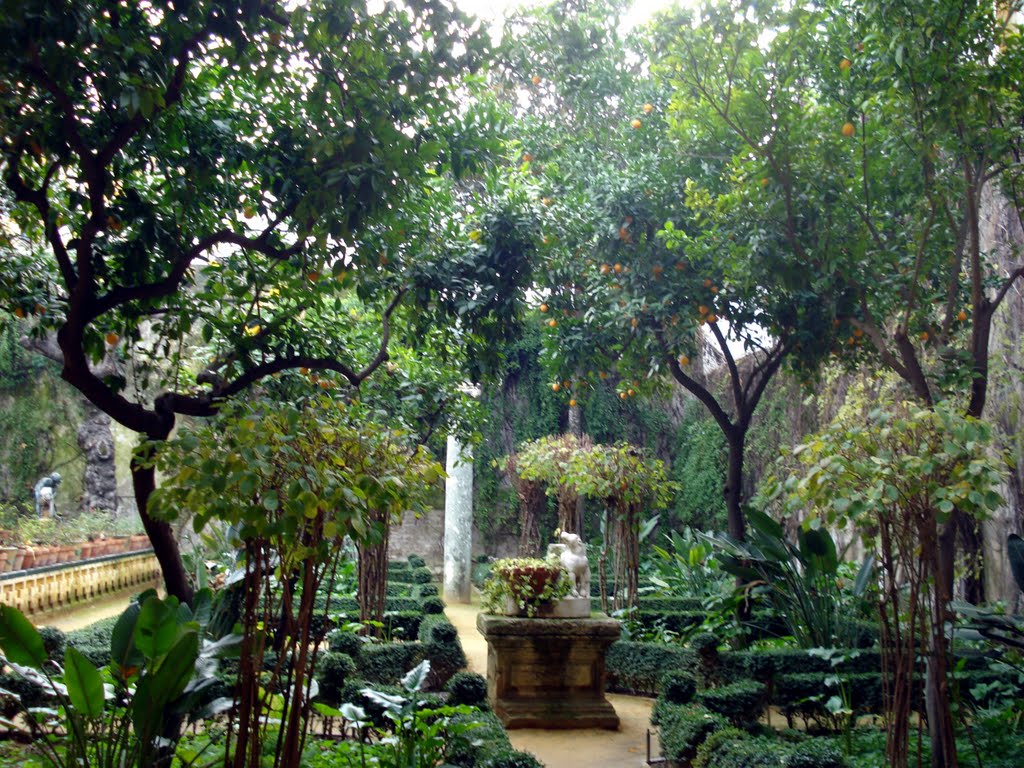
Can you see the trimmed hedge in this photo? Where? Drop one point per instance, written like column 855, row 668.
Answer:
column 432, row 605
column 467, row 688
column 742, row 702
column 93, row 641
column 410, row 576
column 437, row 629
column 486, row 745
column 672, row 604
column 421, row 591
column 387, row 662
column 678, row 687
column 638, row 667
column 332, row 670
column 682, row 728
column 734, row 748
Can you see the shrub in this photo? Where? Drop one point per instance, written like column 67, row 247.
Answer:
column 404, row 625
column 341, row 641
column 742, row 703
column 426, row 590
column 680, row 622
column 332, row 670
column 467, row 688
column 437, row 629
column 445, row 660
column 415, row 561
column 388, row 661
column 638, row 667
column 683, row 728
column 672, row 604
column 93, row 641
column 734, row 748
column 678, row 687
column 514, row 759
column 54, row 642
column 432, row 605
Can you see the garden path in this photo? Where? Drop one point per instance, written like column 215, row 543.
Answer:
column 584, row 748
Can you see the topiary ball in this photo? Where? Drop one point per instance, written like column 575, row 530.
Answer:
column 678, row 687
column 432, row 605
column 467, row 688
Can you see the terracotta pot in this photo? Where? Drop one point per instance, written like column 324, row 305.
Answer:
column 140, row 541
column 18, row 559
column 66, row 553
column 29, row 560
column 88, row 549
column 3, row 560
column 537, row 578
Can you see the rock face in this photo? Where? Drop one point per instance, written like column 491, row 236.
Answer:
column 1003, row 240
column 549, row 673
column 99, row 482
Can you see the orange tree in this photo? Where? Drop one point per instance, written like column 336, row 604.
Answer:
column 656, row 259
column 217, row 173
column 871, row 136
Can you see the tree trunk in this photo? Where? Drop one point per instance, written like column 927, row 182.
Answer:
column 161, row 535
column 373, row 577
column 939, row 546
column 734, row 486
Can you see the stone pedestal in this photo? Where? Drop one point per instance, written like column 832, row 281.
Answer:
column 549, row 673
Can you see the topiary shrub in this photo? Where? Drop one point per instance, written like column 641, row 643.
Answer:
column 638, row 668
column 432, row 605
column 513, row 759
column 341, row 641
column 741, row 703
column 445, row 660
column 678, row 687
column 93, row 641
column 426, row 590
column 437, row 629
column 422, row 576
column 683, row 728
column 388, row 662
column 54, row 643
column 402, row 625
column 467, row 688
column 415, row 561
column 815, row 753
column 332, row 670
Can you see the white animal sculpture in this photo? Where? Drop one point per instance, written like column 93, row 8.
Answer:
column 574, row 559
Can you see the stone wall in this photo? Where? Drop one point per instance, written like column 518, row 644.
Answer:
column 424, row 536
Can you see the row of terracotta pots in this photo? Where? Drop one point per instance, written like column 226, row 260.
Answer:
column 22, row 558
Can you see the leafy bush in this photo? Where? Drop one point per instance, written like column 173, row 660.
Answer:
column 734, row 748
column 344, row 641
column 445, row 660
column 415, row 561
column 403, row 625
column 678, row 687
column 432, row 605
column 426, row 590
column 638, row 667
column 388, row 661
column 683, row 728
column 514, row 759
column 437, row 629
column 332, row 670
column 742, row 703
column 54, row 642
column 467, row 688
column 93, row 641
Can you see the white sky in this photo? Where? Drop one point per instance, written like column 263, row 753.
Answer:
column 496, row 10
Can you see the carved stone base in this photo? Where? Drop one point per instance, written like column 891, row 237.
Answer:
column 566, row 608
column 549, row 673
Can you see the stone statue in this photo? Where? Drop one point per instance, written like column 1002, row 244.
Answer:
column 572, row 554
column 45, row 492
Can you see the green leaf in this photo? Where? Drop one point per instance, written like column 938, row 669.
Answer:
column 84, row 683
column 19, row 640
column 123, row 653
column 156, row 628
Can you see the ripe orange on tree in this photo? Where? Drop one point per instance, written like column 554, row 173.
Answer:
column 19, row 312
column 845, row 64
column 648, row 108
column 552, row 323
column 112, row 339
column 636, row 123
column 605, row 269
column 535, row 79
column 556, row 387
column 543, row 307
column 618, row 269
column 849, row 129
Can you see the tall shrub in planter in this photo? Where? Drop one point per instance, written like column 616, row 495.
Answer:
column 900, row 477
column 294, row 481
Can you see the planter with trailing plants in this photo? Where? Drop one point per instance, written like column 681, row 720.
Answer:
column 524, row 586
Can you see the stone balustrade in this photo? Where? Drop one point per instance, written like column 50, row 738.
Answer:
column 58, row 586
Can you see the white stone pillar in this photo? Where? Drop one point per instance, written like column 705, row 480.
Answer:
column 458, row 522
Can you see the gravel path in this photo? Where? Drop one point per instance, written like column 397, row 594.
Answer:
column 584, row 748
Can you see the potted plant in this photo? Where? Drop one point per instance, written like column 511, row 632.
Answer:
column 522, row 585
